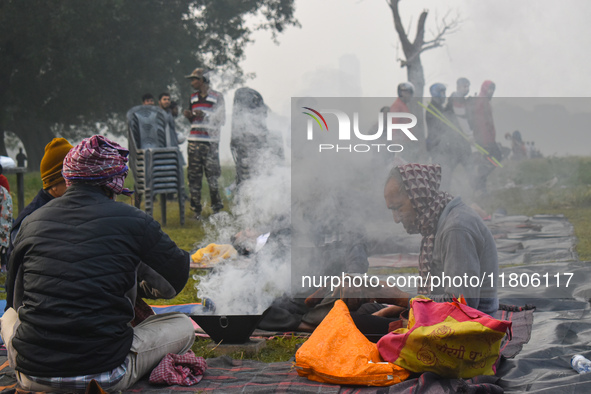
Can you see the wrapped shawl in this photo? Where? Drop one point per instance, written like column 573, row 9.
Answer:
column 97, row 161
column 421, row 182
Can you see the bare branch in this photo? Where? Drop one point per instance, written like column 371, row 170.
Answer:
column 412, row 50
column 438, row 37
column 419, row 38
column 448, row 27
column 427, row 47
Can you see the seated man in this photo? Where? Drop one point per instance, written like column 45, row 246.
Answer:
column 54, row 186
column 84, row 258
column 334, row 254
column 456, row 242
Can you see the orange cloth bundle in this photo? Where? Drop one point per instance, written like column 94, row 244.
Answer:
column 337, row 352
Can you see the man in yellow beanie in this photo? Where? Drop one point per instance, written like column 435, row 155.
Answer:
column 52, row 164
column 54, row 186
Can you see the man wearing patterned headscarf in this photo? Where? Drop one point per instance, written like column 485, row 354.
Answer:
column 456, row 242
column 99, row 162
column 84, row 259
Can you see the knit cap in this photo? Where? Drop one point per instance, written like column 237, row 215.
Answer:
column 53, row 162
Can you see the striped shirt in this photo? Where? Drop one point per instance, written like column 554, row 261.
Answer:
column 207, row 127
column 106, row 379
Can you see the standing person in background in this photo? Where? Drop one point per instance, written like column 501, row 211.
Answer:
column 207, row 114
column 412, row 149
column 483, row 126
column 148, row 99
column 164, row 103
column 406, row 90
column 174, row 111
column 444, row 142
column 518, row 149
column 458, row 104
column 54, row 185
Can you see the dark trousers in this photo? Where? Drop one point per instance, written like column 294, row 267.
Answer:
column 483, row 168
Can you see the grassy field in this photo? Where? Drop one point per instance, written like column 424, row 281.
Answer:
column 540, row 186
column 546, row 186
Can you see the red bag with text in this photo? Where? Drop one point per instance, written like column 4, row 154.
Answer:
column 448, row 338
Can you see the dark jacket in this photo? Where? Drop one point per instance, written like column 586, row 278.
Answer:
column 444, row 136
column 80, row 256
column 40, row 200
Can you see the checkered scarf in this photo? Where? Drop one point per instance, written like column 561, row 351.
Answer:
column 181, row 369
column 421, row 182
column 97, row 161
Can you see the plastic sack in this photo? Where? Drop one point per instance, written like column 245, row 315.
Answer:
column 448, row 338
column 7, row 162
column 337, row 352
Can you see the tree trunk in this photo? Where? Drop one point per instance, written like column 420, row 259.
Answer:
column 415, row 75
column 412, row 53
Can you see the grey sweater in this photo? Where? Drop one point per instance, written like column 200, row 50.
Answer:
column 465, row 246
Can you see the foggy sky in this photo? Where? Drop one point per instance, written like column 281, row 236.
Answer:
column 531, row 48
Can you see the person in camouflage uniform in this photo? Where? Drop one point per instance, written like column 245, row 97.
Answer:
column 204, row 158
column 207, row 115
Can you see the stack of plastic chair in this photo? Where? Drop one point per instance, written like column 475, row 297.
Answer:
column 155, row 159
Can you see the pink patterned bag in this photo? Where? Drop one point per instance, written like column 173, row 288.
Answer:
column 448, row 338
